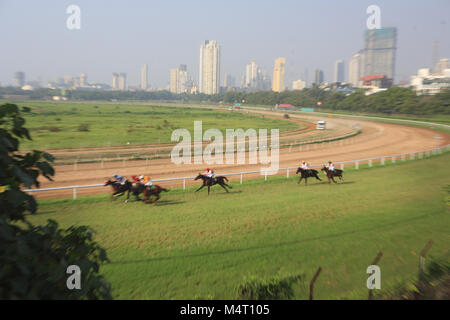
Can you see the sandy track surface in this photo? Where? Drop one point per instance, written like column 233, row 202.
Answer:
column 377, row 139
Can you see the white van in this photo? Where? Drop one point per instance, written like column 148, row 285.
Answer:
column 321, row 125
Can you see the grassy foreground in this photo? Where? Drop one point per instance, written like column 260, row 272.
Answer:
column 71, row 125
column 194, row 246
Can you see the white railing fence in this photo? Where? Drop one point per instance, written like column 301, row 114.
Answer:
column 266, row 174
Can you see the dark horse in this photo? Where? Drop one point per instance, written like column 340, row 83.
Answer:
column 220, row 180
column 330, row 174
column 118, row 188
column 305, row 174
column 136, row 189
column 154, row 190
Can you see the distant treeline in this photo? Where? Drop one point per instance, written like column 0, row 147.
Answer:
column 395, row 100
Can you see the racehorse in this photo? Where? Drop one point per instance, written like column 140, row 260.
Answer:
column 154, row 190
column 305, row 174
column 330, row 174
column 220, row 180
column 118, row 188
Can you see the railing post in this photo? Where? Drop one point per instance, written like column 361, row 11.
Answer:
column 393, row 159
column 311, row 285
column 265, row 175
column 184, row 184
column 356, row 165
column 423, row 253
column 287, row 173
column 374, row 263
column 370, row 163
column 382, row 161
column 342, row 166
column 241, row 177
column 74, row 193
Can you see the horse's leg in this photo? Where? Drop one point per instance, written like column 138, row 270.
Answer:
column 208, row 189
column 317, row 177
column 128, row 197
column 306, row 181
column 300, row 179
column 200, row 188
column 157, row 198
column 223, row 187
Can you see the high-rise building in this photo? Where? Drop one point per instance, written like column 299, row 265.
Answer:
column 378, row 55
column 318, row 77
column 115, row 81
column 254, row 76
column 83, row 80
column 339, row 73
column 441, row 65
column 209, row 75
column 179, row 79
column 144, row 77
column 354, row 69
column 278, row 75
column 122, row 81
column 229, row 81
column 298, row 85
column 19, row 79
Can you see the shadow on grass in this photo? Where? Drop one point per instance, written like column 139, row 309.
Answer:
column 325, row 183
column 161, row 203
column 281, row 244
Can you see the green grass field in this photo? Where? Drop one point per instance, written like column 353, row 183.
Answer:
column 193, row 246
column 72, row 125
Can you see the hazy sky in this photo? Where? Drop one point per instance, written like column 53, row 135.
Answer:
column 120, row 36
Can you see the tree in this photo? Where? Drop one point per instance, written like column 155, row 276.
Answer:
column 34, row 259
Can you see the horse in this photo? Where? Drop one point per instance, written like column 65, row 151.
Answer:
column 154, row 190
column 330, row 174
column 305, row 174
column 220, row 180
column 136, row 189
column 118, row 188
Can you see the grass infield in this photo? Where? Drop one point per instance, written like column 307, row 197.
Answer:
column 191, row 246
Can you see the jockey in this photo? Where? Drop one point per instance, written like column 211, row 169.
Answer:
column 305, row 166
column 210, row 174
column 330, row 166
column 134, row 179
column 119, row 179
column 146, row 181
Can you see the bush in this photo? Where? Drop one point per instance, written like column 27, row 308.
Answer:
column 84, row 127
column 34, row 259
column 274, row 288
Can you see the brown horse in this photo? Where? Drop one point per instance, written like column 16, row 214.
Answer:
column 208, row 182
column 330, row 174
column 154, row 190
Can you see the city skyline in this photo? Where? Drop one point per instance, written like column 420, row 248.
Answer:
column 75, row 52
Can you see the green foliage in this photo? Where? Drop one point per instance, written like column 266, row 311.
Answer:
column 84, row 127
column 34, row 259
column 274, row 288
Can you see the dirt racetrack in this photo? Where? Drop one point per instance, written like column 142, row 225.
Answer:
column 377, row 139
